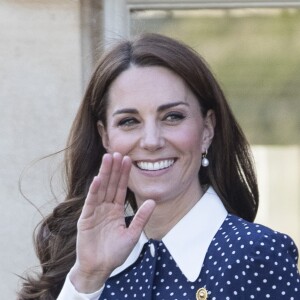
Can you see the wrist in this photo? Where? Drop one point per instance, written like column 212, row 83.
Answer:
column 85, row 282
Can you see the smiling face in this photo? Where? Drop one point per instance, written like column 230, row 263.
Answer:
column 154, row 118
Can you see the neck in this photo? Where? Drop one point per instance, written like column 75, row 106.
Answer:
column 168, row 213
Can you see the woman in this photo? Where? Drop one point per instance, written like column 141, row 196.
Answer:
column 157, row 121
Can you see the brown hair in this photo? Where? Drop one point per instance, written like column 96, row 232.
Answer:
column 230, row 172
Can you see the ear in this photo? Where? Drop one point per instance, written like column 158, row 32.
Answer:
column 103, row 134
column 209, row 129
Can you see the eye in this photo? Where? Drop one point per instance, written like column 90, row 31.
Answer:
column 128, row 122
column 174, row 116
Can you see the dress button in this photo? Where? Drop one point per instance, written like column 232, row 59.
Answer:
column 152, row 250
column 201, row 294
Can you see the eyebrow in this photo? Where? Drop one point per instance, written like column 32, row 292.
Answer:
column 159, row 109
column 126, row 111
column 170, row 105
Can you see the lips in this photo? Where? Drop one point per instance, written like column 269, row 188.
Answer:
column 155, row 166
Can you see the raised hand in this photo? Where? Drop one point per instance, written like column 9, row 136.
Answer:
column 103, row 241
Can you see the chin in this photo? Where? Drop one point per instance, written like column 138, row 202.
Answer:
column 155, row 195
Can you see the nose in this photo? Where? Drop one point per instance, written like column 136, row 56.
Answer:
column 152, row 138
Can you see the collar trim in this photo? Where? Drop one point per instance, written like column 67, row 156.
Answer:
column 196, row 229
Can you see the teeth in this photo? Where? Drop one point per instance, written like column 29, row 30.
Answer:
column 149, row 166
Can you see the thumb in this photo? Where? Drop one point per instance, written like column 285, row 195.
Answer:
column 142, row 217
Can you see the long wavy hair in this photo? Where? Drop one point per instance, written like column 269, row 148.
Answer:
column 230, row 172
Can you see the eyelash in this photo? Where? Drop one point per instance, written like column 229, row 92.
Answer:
column 127, row 122
column 175, row 116
column 171, row 117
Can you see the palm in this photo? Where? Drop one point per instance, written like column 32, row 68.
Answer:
column 103, row 241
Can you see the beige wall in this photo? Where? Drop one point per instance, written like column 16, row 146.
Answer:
column 40, row 88
column 278, row 170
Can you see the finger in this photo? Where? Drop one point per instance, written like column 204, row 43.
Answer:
column 114, row 178
column 123, row 182
column 104, row 176
column 93, row 190
column 97, row 189
column 91, row 199
column 142, row 217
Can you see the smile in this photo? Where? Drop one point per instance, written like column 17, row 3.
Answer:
column 155, row 166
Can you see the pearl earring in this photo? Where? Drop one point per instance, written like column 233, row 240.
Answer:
column 205, row 161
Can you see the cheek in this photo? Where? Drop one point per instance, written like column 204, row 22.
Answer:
column 121, row 143
column 189, row 139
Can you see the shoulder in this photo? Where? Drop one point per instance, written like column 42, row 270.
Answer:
column 245, row 245
column 255, row 257
column 257, row 239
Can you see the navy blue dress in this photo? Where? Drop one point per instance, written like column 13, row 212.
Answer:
column 244, row 261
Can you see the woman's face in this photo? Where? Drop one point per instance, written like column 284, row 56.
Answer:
column 154, row 118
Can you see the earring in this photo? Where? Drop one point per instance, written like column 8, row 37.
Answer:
column 205, row 161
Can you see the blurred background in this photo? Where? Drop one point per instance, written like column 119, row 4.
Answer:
column 48, row 50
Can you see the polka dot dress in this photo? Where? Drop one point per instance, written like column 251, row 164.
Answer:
column 244, row 261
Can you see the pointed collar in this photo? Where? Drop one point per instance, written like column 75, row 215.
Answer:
column 196, row 229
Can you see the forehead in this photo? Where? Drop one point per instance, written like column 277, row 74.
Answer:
column 148, row 86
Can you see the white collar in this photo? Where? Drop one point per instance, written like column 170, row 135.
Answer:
column 196, row 229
